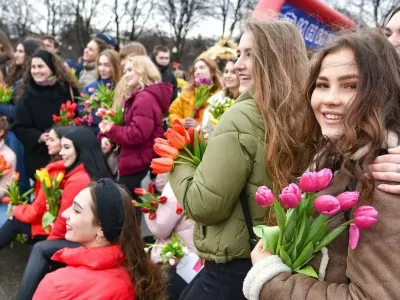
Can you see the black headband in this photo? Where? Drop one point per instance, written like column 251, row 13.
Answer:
column 110, row 208
column 47, row 58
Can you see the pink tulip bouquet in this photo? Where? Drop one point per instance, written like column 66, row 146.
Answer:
column 302, row 219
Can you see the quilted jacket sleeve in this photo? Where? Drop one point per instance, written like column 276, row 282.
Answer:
column 209, row 193
column 140, row 126
column 176, row 111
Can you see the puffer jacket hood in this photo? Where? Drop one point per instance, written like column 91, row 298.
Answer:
column 162, row 92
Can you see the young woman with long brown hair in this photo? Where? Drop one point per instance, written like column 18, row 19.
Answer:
column 257, row 139
column 354, row 106
column 182, row 107
column 111, row 264
column 6, row 53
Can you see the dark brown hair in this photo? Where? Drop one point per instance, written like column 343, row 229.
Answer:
column 374, row 109
column 7, row 47
column 102, row 45
column 63, row 77
column 216, row 75
column 147, row 278
column 160, row 48
column 51, row 38
column 16, row 72
column 228, row 92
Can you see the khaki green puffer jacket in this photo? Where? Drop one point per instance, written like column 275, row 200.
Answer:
column 209, row 194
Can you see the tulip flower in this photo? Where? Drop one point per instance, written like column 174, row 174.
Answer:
column 354, row 235
column 327, row 205
column 264, row 196
column 347, row 200
column 6, row 172
column 365, row 216
column 152, row 216
column 140, row 191
column 162, row 165
column 175, row 139
column 324, row 178
column 291, row 196
column 144, row 210
column 161, row 141
column 146, row 250
column 150, row 188
column 185, row 250
column 5, row 200
column 56, row 118
column 63, row 106
column 59, row 177
column 309, row 182
column 162, row 199
column 172, row 262
column 15, row 176
column 179, row 209
column 47, row 182
column 168, row 254
column 153, row 203
column 134, row 202
column 178, row 127
column 69, row 115
column 165, row 150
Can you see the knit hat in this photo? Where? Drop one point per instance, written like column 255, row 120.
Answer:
column 47, row 58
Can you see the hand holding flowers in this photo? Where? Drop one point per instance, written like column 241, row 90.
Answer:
column 299, row 235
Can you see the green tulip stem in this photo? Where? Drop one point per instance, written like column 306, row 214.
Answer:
column 186, row 158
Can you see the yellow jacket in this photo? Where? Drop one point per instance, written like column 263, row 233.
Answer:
column 182, row 107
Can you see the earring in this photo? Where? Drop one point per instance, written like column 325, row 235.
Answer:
column 98, row 239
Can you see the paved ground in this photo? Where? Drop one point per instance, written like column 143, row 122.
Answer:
column 13, row 261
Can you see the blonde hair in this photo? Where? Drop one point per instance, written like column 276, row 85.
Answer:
column 147, row 72
column 280, row 70
column 132, row 48
column 115, row 62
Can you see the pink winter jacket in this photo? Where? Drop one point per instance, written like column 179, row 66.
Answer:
column 168, row 222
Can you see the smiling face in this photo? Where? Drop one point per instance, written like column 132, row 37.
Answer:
column 53, row 143
column 392, row 31
column 132, row 78
column 105, row 68
column 335, row 88
column 39, row 70
column 201, row 70
column 231, row 80
column 68, row 153
column 91, row 51
column 244, row 64
column 19, row 55
column 80, row 221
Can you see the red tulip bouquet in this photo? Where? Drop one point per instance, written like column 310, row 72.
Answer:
column 299, row 235
column 115, row 116
column 187, row 145
column 202, row 92
column 149, row 202
column 67, row 115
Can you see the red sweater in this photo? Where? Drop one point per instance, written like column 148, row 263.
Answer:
column 91, row 273
column 33, row 213
column 74, row 182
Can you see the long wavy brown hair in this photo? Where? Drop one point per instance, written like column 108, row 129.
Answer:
column 216, row 75
column 374, row 109
column 63, row 77
column 146, row 277
column 279, row 72
column 115, row 63
column 16, row 72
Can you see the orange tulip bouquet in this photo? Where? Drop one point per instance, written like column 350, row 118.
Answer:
column 5, row 167
column 181, row 147
column 149, row 202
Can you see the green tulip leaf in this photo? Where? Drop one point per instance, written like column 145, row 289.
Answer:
column 258, row 230
column 280, row 215
column 196, row 146
column 320, row 234
column 285, row 257
column 329, row 238
column 47, row 219
column 304, row 256
column 291, row 223
column 270, row 238
column 309, row 271
column 314, row 229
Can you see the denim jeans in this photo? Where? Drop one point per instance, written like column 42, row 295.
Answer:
column 219, row 281
column 16, row 146
column 39, row 265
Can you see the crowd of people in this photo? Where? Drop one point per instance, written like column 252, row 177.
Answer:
column 338, row 109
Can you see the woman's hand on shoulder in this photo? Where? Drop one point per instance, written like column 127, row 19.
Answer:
column 387, row 168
